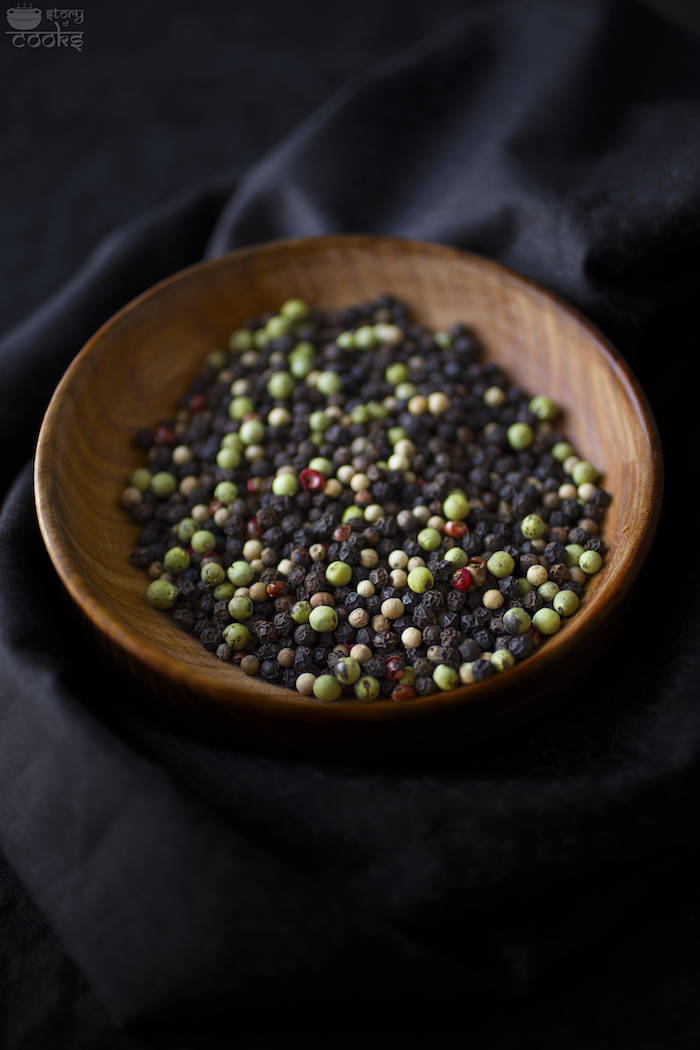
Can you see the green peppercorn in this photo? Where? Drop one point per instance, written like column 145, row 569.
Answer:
column 203, row 541
column 548, row 591
column 216, row 360
column 520, row 436
column 347, row 670
column 162, row 594
column 352, row 512
column 429, row 539
column 228, row 458
column 212, row 574
column 547, row 621
column 573, row 554
column 408, row 677
column 240, row 406
column 590, row 562
column 323, row 619
column 420, row 580
column 346, row 341
column 396, row 434
column 252, row 432
column 566, row 603
column 224, row 591
column 240, row 573
column 365, row 337
column 241, row 607
column 236, row 635
column 277, row 326
column 327, row 688
column 360, row 414
column 319, row 421
column 457, row 556
column 445, row 677
column 396, row 373
column 226, row 491
column 304, row 349
column 584, row 473
column 260, row 338
column 186, row 529
column 367, row 689
column 280, row 385
column 163, row 483
column 544, row 408
column 502, row 660
column 300, row 366
column 500, row 564
column 285, row 484
column 295, row 310
column 141, row 479
column 176, row 560
column 516, row 621
column 532, row 527
column 232, row 441
column 241, row 340
column 455, row 507
column 322, row 465
column 329, row 383
column 300, row 611
column 562, row 450
column 339, row 574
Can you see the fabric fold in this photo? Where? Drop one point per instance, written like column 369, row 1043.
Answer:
column 189, row 881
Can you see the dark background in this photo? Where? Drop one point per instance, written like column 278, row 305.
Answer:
column 166, row 94
column 162, row 96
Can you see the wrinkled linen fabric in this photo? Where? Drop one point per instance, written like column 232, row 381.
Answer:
column 190, row 882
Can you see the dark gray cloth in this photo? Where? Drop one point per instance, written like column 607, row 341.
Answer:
column 192, row 884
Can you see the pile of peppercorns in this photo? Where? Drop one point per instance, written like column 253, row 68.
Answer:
column 354, row 506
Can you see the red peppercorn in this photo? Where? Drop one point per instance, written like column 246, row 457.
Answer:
column 211, row 556
column 462, row 579
column 341, row 533
column 277, row 589
column 312, row 480
column 533, row 633
column 163, row 435
column 456, row 529
column 253, row 530
column 196, row 403
column 395, row 667
column 238, row 655
column 253, row 485
column 403, row 692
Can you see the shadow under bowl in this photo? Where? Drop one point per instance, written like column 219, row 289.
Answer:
column 132, row 373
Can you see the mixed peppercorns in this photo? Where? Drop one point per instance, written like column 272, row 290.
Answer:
column 353, row 506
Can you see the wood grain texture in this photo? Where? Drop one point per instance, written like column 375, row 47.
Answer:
column 133, row 371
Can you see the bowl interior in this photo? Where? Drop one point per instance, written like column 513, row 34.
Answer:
column 134, row 369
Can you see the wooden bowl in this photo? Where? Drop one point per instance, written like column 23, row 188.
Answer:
column 136, row 366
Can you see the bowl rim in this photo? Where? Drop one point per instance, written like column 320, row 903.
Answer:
column 275, row 700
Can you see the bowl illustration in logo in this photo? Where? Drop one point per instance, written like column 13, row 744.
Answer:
column 24, row 17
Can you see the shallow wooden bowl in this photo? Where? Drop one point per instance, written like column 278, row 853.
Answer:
column 132, row 372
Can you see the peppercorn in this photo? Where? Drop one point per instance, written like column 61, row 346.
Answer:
column 482, row 669
column 305, row 497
